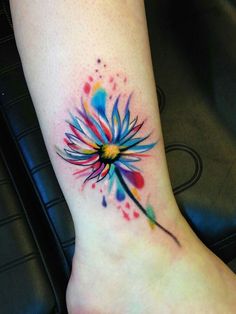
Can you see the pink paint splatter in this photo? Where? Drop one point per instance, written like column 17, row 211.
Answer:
column 135, row 214
column 87, row 88
column 114, row 86
column 90, row 78
column 93, row 186
column 127, row 205
column 111, row 79
column 125, row 215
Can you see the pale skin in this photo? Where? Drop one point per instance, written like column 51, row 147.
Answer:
column 119, row 266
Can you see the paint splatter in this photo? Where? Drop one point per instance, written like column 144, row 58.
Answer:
column 87, row 88
column 120, row 195
column 125, row 215
column 104, row 202
column 151, row 216
column 127, row 205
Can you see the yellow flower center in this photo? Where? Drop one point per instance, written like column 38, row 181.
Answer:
column 110, row 151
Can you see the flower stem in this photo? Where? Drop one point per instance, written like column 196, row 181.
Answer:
column 127, row 190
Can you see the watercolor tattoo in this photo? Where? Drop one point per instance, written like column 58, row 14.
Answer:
column 107, row 147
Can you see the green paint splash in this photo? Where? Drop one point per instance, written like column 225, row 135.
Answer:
column 151, row 216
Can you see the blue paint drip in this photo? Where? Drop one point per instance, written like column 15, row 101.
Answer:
column 104, row 202
column 99, row 101
column 120, row 195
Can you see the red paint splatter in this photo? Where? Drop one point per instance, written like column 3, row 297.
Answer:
column 111, row 79
column 87, row 88
column 125, row 215
column 135, row 214
column 90, row 78
column 127, row 205
column 114, row 86
column 93, row 186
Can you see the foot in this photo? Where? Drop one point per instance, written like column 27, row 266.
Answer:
column 147, row 273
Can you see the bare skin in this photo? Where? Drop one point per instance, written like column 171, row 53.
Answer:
column 120, row 266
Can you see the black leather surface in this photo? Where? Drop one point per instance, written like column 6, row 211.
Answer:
column 22, row 265
column 194, row 56
column 194, row 60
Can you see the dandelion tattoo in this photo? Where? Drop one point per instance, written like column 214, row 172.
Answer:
column 108, row 147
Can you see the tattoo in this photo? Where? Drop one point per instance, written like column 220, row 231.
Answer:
column 108, row 147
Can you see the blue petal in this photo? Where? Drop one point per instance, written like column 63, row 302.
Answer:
column 75, row 122
column 125, row 125
column 90, row 131
column 116, row 123
column 129, row 128
column 142, row 148
column 126, row 165
column 127, row 104
column 133, row 142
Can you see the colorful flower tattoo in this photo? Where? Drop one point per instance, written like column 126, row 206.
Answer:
column 108, row 147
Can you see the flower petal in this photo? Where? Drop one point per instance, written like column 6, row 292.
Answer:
column 96, row 172
column 131, row 133
column 134, row 177
column 83, row 163
column 115, row 120
column 82, row 138
column 141, row 148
